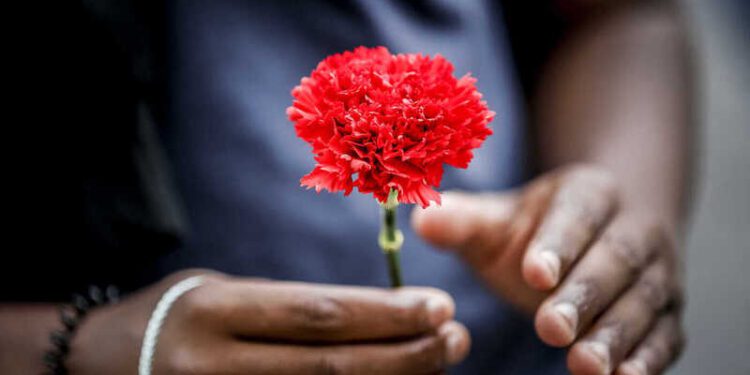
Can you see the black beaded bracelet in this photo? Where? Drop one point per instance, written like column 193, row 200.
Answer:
column 71, row 316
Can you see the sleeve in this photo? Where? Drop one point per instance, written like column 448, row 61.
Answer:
column 90, row 195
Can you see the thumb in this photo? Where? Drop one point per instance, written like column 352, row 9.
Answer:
column 465, row 221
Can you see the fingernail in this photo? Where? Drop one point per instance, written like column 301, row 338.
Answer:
column 552, row 262
column 634, row 367
column 454, row 348
column 438, row 310
column 570, row 314
column 601, row 352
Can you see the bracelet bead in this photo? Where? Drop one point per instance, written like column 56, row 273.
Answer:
column 71, row 316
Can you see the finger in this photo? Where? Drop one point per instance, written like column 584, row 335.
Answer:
column 310, row 312
column 661, row 348
column 465, row 221
column 481, row 226
column 613, row 263
column 625, row 324
column 424, row 355
column 581, row 207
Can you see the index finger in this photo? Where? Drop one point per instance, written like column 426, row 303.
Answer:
column 290, row 311
column 582, row 205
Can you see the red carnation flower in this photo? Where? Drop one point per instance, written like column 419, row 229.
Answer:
column 378, row 121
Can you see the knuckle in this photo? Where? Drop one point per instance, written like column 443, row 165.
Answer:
column 608, row 185
column 195, row 305
column 651, row 228
column 603, row 179
column 627, row 251
column 583, row 206
column 614, row 333
column 207, row 274
column 586, row 294
column 570, row 220
column 571, row 209
column 202, row 304
column 577, row 169
column 185, row 361
column 651, row 293
column 321, row 314
column 583, row 230
column 597, row 187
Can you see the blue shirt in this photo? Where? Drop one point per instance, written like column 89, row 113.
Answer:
column 238, row 160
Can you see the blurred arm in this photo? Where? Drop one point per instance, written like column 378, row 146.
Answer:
column 617, row 93
column 25, row 336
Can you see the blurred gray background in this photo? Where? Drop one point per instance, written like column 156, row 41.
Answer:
column 718, row 311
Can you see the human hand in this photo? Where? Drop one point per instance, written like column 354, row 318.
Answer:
column 600, row 276
column 243, row 326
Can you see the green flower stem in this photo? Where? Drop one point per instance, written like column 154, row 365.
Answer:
column 394, row 268
column 391, row 239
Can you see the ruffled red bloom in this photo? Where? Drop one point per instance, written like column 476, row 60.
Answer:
column 378, row 121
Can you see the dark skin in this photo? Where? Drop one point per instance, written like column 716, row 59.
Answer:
column 590, row 247
column 245, row 326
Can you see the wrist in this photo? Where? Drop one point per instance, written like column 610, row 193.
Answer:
column 25, row 336
column 107, row 341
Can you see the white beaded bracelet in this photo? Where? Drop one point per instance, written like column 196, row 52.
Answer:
column 157, row 320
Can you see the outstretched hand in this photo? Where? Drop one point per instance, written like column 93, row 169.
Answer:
column 600, row 276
